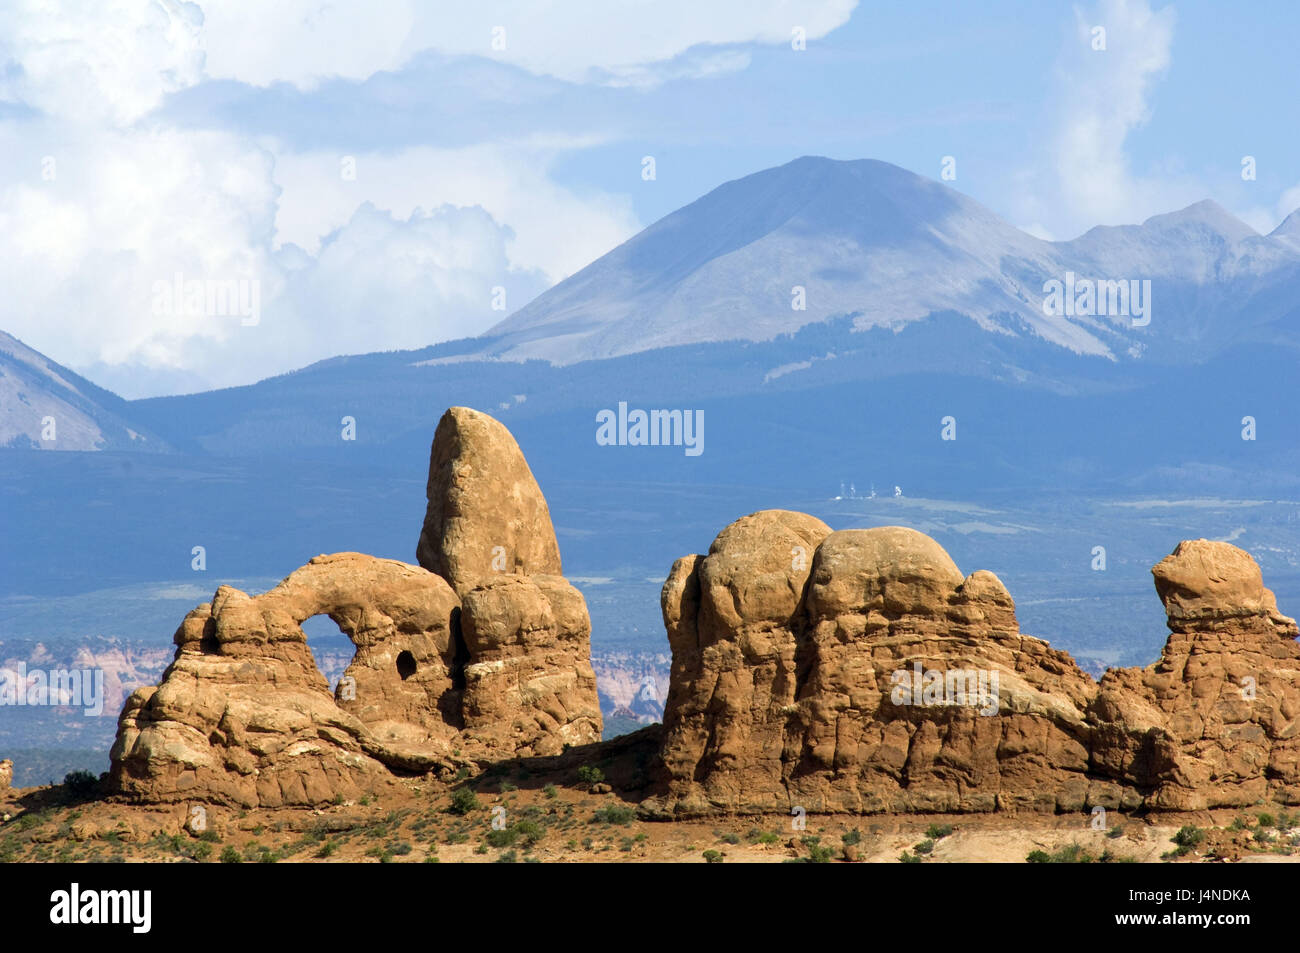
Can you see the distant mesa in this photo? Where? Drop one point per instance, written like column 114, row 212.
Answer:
column 839, row 671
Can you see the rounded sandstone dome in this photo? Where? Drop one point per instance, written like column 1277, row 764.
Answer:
column 891, row 569
column 757, row 567
column 1204, row 577
column 985, row 586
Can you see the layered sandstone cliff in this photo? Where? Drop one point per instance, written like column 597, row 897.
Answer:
column 488, row 660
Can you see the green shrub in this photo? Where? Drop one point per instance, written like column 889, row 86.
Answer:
column 530, row 832
column 851, row 837
column 1188, row 838
column 230, row 855
column 1075, row 854
column 712, row 857
column 817, row 854
column 590, row 775
column 938, row 832
column 80, row 783
column 551, row 792
column 614, row 814
column 463, row 801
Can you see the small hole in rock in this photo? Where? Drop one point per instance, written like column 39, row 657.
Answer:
column 405, row 665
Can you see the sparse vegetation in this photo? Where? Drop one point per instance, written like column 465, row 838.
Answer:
column 463, row 801
column 80, row 784
column 614, row 814
column 1076, row 854
column 590, row 775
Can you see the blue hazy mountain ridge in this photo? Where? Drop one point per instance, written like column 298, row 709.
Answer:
column 901, row 276
column 36, row 392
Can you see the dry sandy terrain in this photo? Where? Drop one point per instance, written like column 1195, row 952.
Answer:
column 555, row 822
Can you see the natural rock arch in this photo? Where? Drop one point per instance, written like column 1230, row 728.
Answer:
column 498, row 666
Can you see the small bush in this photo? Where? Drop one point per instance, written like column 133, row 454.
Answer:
column 551, row 792
column 530, row 832
column 1188, row 838
column 712, row 857
column 590, row 775
column 851, row 837
column 1075, row 854
column 80, row 783
column 230, row 856
column 817, row 854
column 938, row 832
column 614, row 814
column 463, row 801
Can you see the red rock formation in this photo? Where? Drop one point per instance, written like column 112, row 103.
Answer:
column 497, row 667
column 486, row 514
column 1216, row 721
column 874, row 677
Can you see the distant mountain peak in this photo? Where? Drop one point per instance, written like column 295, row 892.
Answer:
column 1207, row 213
column 1290, row 227
column 45, row 406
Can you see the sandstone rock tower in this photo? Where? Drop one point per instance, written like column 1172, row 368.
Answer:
column 1216, row 721
column 479, row 659
column 859, row 671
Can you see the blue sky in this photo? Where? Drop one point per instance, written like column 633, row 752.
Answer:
column 209, row 141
